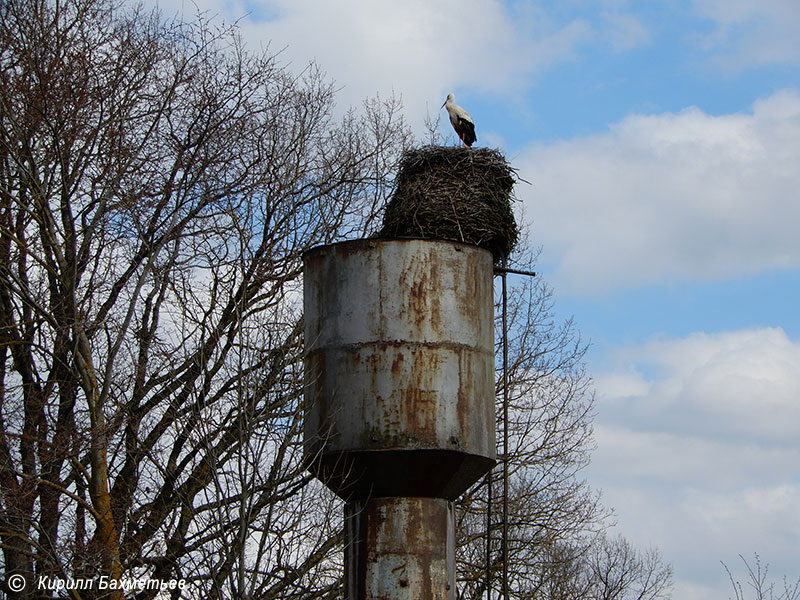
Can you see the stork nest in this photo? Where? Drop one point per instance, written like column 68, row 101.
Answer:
column 459, row 194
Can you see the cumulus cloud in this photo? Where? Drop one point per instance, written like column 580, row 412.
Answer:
column 670, row 197
column 697, row 449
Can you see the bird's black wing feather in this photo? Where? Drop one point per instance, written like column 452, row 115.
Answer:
column 466, row 129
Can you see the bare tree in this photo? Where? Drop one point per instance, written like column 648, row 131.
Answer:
column 617, row 570
column 550, row 404
column 158, row 185
column 555, row 541
column 759, row 585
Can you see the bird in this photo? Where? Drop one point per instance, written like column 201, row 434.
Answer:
column 461, row 121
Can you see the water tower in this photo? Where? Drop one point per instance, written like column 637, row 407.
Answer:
column 399, row 351
column 399, row 373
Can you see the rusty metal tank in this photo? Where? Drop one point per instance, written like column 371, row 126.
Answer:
column 399, row 367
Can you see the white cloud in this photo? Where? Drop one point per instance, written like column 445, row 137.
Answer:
column 697, row 451
column 416, row 49
column 421, row 50
column 742, row 383
column 751, row 34
column 670, row 197
column 685, row 460
column 697, row 529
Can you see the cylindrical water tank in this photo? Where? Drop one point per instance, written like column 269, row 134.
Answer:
column 399, row 362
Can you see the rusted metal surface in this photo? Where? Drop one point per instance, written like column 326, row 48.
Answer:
column 399, row 402
column 399, row 549
column 399, row 366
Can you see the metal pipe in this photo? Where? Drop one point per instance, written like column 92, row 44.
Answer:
column 505, row 432
column 489, row 536
column 500, row 270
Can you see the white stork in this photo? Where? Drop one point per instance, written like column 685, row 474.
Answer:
column 461, row 121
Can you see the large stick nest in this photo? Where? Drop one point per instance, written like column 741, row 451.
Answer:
column 459, row 194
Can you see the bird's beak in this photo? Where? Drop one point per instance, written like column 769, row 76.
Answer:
column 443, row 103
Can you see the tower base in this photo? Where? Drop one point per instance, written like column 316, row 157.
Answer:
column 399, row 548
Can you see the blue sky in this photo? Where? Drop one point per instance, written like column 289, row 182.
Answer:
column 662, row 139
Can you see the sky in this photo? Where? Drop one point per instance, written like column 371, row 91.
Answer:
column 662, row 142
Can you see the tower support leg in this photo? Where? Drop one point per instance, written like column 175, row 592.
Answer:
column 399, row 548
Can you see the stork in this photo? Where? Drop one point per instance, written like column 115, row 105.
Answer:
column 461, row 121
